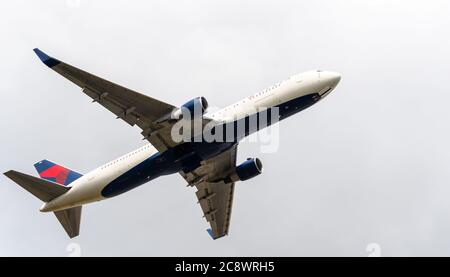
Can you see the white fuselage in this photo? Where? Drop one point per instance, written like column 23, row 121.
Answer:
column 88, row 188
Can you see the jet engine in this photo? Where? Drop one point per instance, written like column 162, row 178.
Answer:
column 196, row 107
column 252, row 167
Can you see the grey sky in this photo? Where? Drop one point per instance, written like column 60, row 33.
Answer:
column 369, row 164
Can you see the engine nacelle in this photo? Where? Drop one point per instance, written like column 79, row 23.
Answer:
column 196, row 107
column 248, row 169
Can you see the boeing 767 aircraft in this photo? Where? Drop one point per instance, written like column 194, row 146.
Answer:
column 208, row 165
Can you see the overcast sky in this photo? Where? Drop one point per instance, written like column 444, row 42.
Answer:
column 368, row 164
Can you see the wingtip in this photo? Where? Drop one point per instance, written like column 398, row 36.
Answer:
column 211, row 233
column 213, row 236
column 46, row 59
column 41, row 55
column 11, row 174
column 8, row 173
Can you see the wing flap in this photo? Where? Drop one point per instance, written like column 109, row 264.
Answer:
column 114, row 106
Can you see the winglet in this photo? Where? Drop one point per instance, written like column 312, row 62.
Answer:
column 210, row 232
column 46, row 59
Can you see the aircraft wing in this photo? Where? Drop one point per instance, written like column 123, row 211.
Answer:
column 214, row 191
column 132, row 107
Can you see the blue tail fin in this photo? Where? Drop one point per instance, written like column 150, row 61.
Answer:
column 56, row 173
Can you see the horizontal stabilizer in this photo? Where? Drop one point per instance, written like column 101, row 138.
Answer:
column 70, row 220
column 42, row 189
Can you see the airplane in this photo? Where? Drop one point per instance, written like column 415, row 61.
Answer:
column 209, row 166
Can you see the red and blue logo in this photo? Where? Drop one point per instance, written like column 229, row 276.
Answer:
column 56, row 173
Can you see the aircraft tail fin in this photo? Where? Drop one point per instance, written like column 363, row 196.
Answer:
column 47, row 191
column 42, row 189
column 70, row 220
column 56, row 173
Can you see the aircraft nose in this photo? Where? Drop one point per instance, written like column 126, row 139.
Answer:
column 331, row 78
